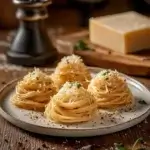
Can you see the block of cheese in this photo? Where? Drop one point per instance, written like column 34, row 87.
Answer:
column 126, row 32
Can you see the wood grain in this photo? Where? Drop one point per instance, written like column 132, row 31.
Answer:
column 13, row 138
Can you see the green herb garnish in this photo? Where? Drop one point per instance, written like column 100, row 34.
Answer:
column 139, row 140
column 120, row 147
column 81, row 45
column 104, row 73
column 142, row 102
column 71, row 84
column 77, row 84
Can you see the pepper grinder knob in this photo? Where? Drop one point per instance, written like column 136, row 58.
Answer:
column 31, row 45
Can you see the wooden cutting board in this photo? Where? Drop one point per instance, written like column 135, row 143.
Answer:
column 132, row 64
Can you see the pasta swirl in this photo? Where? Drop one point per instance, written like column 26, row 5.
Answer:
column 72, row 104
column 110, row 90
column 71, row 68
column 34, row 91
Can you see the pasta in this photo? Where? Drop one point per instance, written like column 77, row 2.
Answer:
column 71, row 68
column 72, row 104
column 110, row 90
column 34, row 91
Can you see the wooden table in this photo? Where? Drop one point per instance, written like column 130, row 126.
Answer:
column 13, row 138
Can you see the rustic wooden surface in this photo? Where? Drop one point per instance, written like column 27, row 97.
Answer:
column 13, row 138
column 105, row 58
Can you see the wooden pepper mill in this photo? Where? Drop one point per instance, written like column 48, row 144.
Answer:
column 31, row 45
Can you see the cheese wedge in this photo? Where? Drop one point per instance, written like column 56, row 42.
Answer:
column 127, row 32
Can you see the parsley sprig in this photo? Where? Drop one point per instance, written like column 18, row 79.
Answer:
column 81, row 45
column 138, row 141
column 120, row 146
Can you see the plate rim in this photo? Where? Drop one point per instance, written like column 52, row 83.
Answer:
column 22, row 124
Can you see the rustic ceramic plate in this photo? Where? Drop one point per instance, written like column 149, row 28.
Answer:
column 104, row 124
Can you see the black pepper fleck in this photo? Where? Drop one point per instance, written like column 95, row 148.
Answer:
column 3, row 82
column 109, row 52
column 9, row 147
column 44, row 145
column 20, row 144
column 6, row 140
column 67, row 61
column 112, row 120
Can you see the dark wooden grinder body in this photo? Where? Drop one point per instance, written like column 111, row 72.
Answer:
column 31, row 45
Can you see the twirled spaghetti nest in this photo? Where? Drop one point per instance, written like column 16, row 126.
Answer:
column 34, row 91
column 72, row 104
column 111, row 90
column 71, row 68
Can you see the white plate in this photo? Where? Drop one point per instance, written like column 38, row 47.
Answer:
column 35, row 122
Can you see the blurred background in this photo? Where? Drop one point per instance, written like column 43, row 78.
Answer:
column 72, row 14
